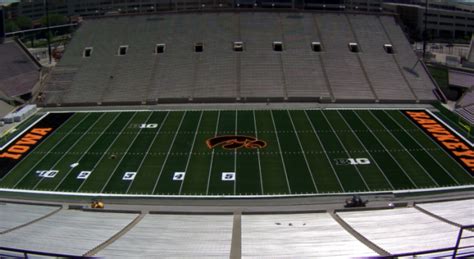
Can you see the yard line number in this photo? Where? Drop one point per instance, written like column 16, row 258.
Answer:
column 352, row 161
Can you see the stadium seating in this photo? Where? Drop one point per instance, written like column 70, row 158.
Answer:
column 19, row 72
column 403, row 230
column 359, row 233
column 465, row 106
column 345, row 75
column 218, row 73
column 304, row 75
column 298, row 235
column 177, row 236
column 67, row 232
column 382, row 70
column 449, row 210
column 414, row 72
column 14, row 215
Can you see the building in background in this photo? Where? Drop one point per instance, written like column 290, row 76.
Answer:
column 34, row 9
column 445, row 19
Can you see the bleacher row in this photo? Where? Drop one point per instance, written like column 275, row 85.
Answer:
column 465, row 106
column 256, row 74
column 396, row 231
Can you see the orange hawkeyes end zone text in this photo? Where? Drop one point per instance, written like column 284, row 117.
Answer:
column 457, row 147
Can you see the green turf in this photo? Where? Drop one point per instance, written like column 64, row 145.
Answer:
column 301, row 156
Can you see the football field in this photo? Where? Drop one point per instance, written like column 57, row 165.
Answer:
column 236, row 152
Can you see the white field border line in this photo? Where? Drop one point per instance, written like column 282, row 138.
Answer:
column 191, row 151
column 325, row 153
column 235, row 155
column 281, row 153
column 255, row 108
column 429, row 153
column 106, row 111
column 114, row 172
column 366, row 150
column 108, row 148
column 87, row 151
column 25, row 130
column 438, row 147
column 212, row 154
column 169, row 152
column 258, row 152
column 404, row 147
column 147, row 154
column 449, row 127
column 371, row 108
column 302, row 151
column 32, row 152
column 346, row 151
column 52, row 148
column 85, row 194
column 69, row 149
column 387, row 151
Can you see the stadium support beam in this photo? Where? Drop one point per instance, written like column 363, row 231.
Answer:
column 48, row 29
column 425, row 31
column 2, row 25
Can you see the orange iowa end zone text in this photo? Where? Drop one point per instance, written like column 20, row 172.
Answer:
column 23, row 145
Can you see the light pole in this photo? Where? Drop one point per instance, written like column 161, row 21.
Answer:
column 425, row 32
column 48, row 31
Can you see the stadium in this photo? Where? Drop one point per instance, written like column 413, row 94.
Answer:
column 234, row 133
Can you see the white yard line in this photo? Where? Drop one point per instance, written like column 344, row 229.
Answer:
column 258, row 152
column 68, row 150
column 346, row 151
column 368, row 108
column 107, row 150
column 440, row 148
column 88, row 149
column 388, row 152
column 404, row 148
column 23, row 131
column 212, row 155
column 55, row 145
column 124, row 155
column 235, row 157
column 325, row 153
column 429, row 154
column 303, row 152
column 191, row 151
column 367, row 151
column 281, row 153
column 149, row 148
column 168, row 153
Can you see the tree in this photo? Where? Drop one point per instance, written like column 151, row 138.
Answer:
column 54, row 19
column 10, row 26
column 24, row 23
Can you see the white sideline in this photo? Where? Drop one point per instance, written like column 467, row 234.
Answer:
column 114, row 195
column 25, row 130
column 453, row 130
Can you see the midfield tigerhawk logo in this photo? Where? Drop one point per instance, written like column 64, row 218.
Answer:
column 235, row 141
